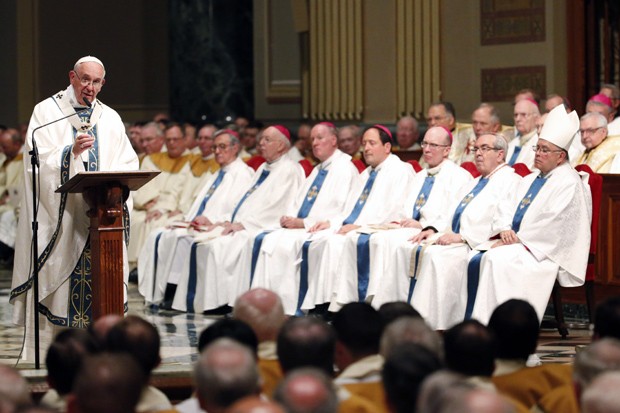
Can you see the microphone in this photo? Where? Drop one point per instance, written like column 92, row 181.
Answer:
column 35, row 152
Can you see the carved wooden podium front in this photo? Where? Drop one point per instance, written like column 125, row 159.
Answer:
column 104, row 192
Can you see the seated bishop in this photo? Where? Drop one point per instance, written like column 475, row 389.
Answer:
column 543, row 236
column 439, row 259
column 216, row 198
column 274, row 264
column 378, row 198
column 365, row 263
column 208, row 279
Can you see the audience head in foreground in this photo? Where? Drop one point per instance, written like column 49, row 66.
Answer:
column 405, row 368
column 262, row 310
column 107, row 383
column 307, row 390
column 225, row 373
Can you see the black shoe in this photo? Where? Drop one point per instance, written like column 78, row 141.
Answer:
column 223, row 310
column 133, row 276
column 6, row 256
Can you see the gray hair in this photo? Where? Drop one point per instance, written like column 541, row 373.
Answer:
column 324, row 403
column 226, row 372
column 410, row 330
column 602, row 395
column 436, row 385
column 283, row 137
column 601, row 121
column 154, row 125
column 233, row 139
column 601, row 356
column 501, row 142
column 492, row 111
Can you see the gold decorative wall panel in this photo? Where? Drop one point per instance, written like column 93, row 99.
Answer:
column 511, row 21
column 418, row 55
column 335, row 75
column 499, row 85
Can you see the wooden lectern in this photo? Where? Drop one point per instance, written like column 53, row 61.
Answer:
column 103, row 191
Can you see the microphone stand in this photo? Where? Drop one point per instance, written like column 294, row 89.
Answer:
column 34, row 160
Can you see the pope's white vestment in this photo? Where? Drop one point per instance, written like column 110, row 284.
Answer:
column 441, row 278
column 555, row 243
column 277, row 266
column 381, row 204
column 161, row 258
column 526, row 154
column 208, row 279
column 64, row 253
column 449, row 178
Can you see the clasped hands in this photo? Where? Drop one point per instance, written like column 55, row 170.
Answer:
column 506, row 237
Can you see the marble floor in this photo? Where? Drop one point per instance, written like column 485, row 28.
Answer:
column 180, row 331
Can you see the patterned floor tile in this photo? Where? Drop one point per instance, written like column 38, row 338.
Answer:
column 179, row 333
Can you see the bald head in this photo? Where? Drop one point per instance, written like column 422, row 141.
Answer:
column 600, row 356
column 441, row 133
column 484, row 401
column 225, row 373
column 262, row 310
column 436, row 146
column 14, row 390
column 255, row 404
column 307, row 390
column 102, row 326
column 602, row 395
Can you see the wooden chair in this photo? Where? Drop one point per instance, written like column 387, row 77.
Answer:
column 595, row 183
